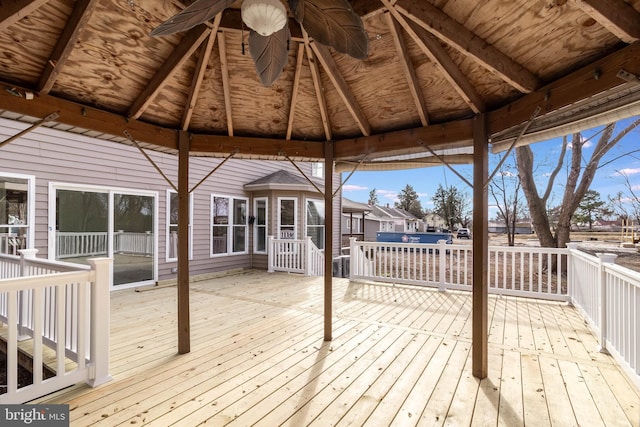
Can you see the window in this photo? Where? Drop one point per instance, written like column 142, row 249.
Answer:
column 260, row 225
column 317, row 169
column 315, row 222
column 16, row 213
column 172, row 226
column 229, row 225
column 287, row 214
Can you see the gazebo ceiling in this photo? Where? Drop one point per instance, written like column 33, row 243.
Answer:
column 432, row 66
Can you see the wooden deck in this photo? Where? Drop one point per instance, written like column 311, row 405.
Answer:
column 400, row 356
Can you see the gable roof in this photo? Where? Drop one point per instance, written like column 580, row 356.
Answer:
column 281, row 180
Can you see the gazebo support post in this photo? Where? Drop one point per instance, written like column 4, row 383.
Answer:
column 184, row 339
column 480, row 246
column 328, row 240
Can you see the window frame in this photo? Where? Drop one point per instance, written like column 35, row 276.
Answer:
column 306, row 225
column 169, row 225
column 31, row 211
column 257, row 227
column 295, row 217
column 231, row 226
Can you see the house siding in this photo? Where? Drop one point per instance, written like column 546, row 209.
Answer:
column 54, row 156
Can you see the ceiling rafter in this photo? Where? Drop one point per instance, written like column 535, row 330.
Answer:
column 199, row 73
column 408, row 68
column 334, row 74
column 187, row 46
column 317, row 84
column 66, row 42
column 12, row 11
column 224, row 72
column 295, row 90
column 458, row 36
column 617, row 16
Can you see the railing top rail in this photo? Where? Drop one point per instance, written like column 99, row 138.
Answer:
column 45, row 280
column 633, row 277
column 532, row 249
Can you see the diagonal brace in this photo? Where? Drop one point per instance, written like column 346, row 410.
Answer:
column 34, row 126
column 154, row 164
column 444, row 162
column 303, row 174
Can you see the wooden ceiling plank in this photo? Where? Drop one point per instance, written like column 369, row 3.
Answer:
column 187, row 46
column 458, row 36
column 12, row 11
column 584, row 83
column 295, row 90
column 330, row 66
column 616, row 16
column 226, row 90
column 317, row 84
column 198, row 75
column 80, row 15
column 408, row 68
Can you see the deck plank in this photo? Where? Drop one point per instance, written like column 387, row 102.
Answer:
column 400, row 356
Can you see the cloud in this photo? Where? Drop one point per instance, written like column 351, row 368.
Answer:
column 585, row 143
column 627, row 171
column 348, row 188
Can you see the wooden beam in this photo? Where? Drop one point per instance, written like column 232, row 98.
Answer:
column 14, row 10
column 226, row 88
column 187, row 46
column 453, row 134
column 458, row 36
column 82, row 11
column 199, row 73
column 317, row 84
column 584, row 83
column 328, row 240
column 184, row 323
column 256, row 147
column 408, row 68
column 330, row 66
column 480, row 331
column 86, row 117
column 296, row 89
column 617, row 16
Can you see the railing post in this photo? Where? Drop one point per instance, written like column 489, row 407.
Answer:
column 23, row 302
column 309, row 260
column 354, row 259
column 442, row 252
column 270, row 254
column 100, row 321
column 570, row 274
column 604, row 259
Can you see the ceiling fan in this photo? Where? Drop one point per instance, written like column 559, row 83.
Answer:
column 330, row 22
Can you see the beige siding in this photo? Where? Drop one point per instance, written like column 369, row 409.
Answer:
column 61, row 157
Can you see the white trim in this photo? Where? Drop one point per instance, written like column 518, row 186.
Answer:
column 255, row 225
column 167, row 242
column 306, row 225
column 110, row 192
column 31, row 204
column 295, row 217
column 230, row 225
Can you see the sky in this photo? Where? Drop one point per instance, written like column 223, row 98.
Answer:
column 624, row 158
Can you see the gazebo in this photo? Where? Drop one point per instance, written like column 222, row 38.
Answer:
column 442, row 81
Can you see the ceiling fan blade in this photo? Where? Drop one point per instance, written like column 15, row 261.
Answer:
column 333, row 23
column 270, row 54
column 200, row 11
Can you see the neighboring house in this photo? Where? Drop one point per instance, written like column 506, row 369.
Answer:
column 73, row 197
column 396, row 219
column 364, row 221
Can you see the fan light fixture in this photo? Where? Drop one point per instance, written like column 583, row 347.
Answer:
column 264, row 16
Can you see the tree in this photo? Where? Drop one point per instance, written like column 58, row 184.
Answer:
column 589, row 209
column 408, row 200
column 505, row 189
column 579, row 178
column 373, row 198
column 451, row 205
column 627, row 206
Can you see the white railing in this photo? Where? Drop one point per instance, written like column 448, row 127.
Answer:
column 518, row 271
column 82, row 244
column 10, row 244
column 608, row 296
column 67, row 312
column 295, row 256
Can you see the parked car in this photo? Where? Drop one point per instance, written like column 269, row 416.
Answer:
column 464, row 233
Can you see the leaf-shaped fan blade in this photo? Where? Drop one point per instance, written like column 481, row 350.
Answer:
column 270, row 54
column 333, row 23
column 200, row 11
